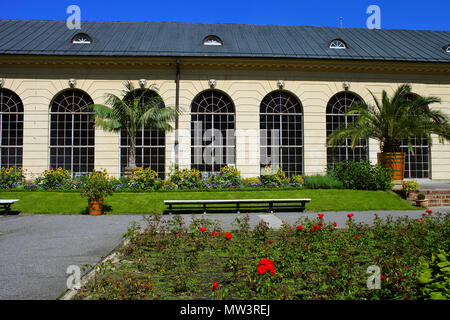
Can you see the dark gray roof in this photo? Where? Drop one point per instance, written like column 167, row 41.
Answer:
column 33, row 37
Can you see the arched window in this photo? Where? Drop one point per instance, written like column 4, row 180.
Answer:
column 417, row 164
column 150, row 143
column 335, row 118
column 212, row 41
column 337, row 44
column 81, row 38
column 281, row 130
column 11, row 129
column 72, row 133
column 212, row 131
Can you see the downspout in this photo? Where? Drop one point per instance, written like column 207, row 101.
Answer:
column 177, row 109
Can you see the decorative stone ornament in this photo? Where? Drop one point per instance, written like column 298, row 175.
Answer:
column 142, row 83
column 212, row 83
column 72, row 83
column 346, row 85
column 280, row 84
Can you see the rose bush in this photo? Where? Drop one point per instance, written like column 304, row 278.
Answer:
column 313, row 261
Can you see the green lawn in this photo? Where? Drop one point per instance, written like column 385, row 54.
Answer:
column 120, row 203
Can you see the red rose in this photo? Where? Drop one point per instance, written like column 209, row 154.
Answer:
column 299, row 227
column 320, row 215
column 228, row 235
column 421, row 222
column 266, row 265
column 270, row 241
column 356, row 237
column 213, row 233
column 429, row 211
column 318, row 227
column 335, row 224
column 320, row 224
column 312, row 229
column 414, row 274
column 202, row 229
column 214, row 286
column 261, row 269
column 383, row 277
column 350, row 215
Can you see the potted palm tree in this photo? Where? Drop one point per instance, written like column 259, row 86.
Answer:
column 138, row 108
column 401, row 117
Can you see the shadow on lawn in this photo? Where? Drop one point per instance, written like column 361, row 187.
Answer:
column 253, row 209
column 9, row 212
column 106, row 209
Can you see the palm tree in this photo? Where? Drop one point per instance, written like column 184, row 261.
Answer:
column 402, row 117
column 138, row 108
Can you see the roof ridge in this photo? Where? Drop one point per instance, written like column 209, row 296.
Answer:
column 226, row 23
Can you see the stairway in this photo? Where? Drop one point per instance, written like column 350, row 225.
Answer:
column 436, row 197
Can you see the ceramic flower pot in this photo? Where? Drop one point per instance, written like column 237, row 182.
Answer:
column 95, row 207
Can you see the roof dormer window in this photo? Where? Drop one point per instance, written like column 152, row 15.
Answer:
column 337, row 44
column 447, row 48
column 81, row 38
column 212, row 41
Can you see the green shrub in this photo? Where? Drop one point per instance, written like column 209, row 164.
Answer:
column 434, row 277
column 11, row 177
column 271, row 177
column 97, row 185
column 186, row 178
column 362, row 175
column 322, row 182
column 52, row 179
column 227, row 177
column 146, row 179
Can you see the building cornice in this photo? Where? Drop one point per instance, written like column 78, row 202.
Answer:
column 233, row 63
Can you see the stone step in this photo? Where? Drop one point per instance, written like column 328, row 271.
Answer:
column 435, row 197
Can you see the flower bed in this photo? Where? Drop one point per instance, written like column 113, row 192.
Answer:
column 145, row 180
column 308, row 260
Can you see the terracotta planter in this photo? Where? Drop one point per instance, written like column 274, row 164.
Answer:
column 394, row 161
column 95, row 207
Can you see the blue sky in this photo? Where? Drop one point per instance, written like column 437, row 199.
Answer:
column 412, row 14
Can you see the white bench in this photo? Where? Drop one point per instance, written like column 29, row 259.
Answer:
column 303, row 202
column 6, row 203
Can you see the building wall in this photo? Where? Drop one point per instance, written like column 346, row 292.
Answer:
column 247, row 86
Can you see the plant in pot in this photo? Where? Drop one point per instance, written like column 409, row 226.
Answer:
column 394, row 120
column 408, row 187
column 138, row 109
column 96, row 186
column 421, row 200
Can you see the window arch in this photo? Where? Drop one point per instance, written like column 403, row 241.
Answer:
column 81, row 38
column 337, row 44
column 212, row 40
column 335, row 118
column 417, row 164
column 11, row 129
column 150, row 143
column 281, row 132
column 72, row 133
column 212, row 131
